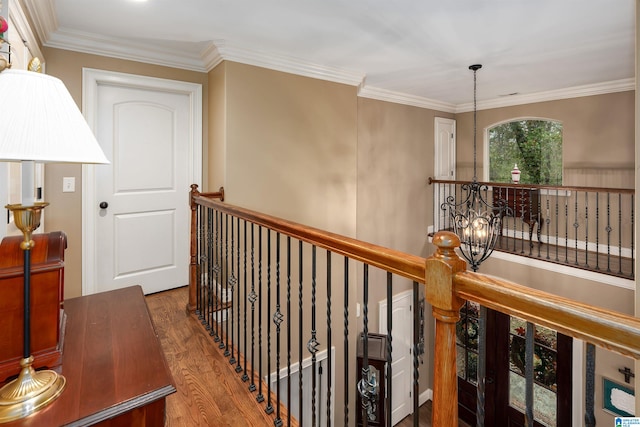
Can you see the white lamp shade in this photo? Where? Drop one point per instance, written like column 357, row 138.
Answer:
column 39, row 121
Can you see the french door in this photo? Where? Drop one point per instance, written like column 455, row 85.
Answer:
column 505, row 367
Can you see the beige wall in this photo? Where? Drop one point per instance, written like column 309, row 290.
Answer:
column 286, row 145
column 65, row 210
column 597, row 141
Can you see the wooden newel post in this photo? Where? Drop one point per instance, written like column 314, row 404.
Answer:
column 193, row 264
column 440, row 269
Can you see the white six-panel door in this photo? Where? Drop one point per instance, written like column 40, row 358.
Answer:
column 148, row 131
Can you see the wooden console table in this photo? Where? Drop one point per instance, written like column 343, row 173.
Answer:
column 523, row 203
column 115, row 369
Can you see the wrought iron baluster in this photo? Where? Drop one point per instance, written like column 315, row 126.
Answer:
column 207, row 289
column 576, row 225
column 365, row 386
column 417, row 351
column 389, row 348
column 269, row 408
column 245, row 376
column 300, row 326
column 566, row 230
column 548, row 223
column 238, row 297
column 329, row 353
column 217, row 249
column 231, row 287
column 620, row 233
column 252, row 299
column 590, row 386
column 225, row 305
column 277, row 319
column 597, row 231
column 202, row 262
column 557, row 224
column 312, row 344
column 586, row 229
column 260, row 397
column 609, row 229
column 346, row 341
column 289, row 328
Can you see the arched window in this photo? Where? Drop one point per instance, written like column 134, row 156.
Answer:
column 535, row 145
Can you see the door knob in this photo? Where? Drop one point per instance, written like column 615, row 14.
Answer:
column 104, row 205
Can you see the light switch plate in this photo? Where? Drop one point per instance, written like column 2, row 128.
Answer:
column 68, row 184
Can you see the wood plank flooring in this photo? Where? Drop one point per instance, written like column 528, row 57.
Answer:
column 209, row 392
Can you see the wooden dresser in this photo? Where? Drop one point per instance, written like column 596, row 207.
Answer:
column 115, row 369
column 523, row 203
column 47, row 295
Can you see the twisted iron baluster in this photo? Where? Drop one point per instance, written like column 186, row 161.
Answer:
column 201, row 262
column 260, row 397
column 252, row 299
column 482, row 365
column 277, row 319
column 269, row 407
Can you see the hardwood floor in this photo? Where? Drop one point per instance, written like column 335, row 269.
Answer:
column 208, row 390
column 207, row 395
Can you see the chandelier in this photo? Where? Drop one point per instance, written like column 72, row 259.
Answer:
column 475, row 221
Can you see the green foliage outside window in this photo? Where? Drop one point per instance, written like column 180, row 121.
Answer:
column 534, row 145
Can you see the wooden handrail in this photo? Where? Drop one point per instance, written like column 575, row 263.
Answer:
column 449, row 285
column 400, row 263
column 616, row 331
column 550, row 188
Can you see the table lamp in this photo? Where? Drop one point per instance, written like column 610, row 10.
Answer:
column 39, row 122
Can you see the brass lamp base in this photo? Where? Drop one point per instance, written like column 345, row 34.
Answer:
column 30, row 392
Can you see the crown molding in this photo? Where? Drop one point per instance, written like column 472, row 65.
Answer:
column 403, row 98
column 19, row 20
column 132, row 50
column 622, row 85
column 42, row 13
column 287, row 64
column 44, row 18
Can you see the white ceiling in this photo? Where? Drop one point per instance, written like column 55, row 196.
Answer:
column 411, row 51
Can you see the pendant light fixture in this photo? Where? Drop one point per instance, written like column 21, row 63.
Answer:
column 476, row 222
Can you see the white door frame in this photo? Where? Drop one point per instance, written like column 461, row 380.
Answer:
column 91, row 79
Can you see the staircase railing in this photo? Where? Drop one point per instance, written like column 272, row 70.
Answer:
column 267, row 290
column 589, row 228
